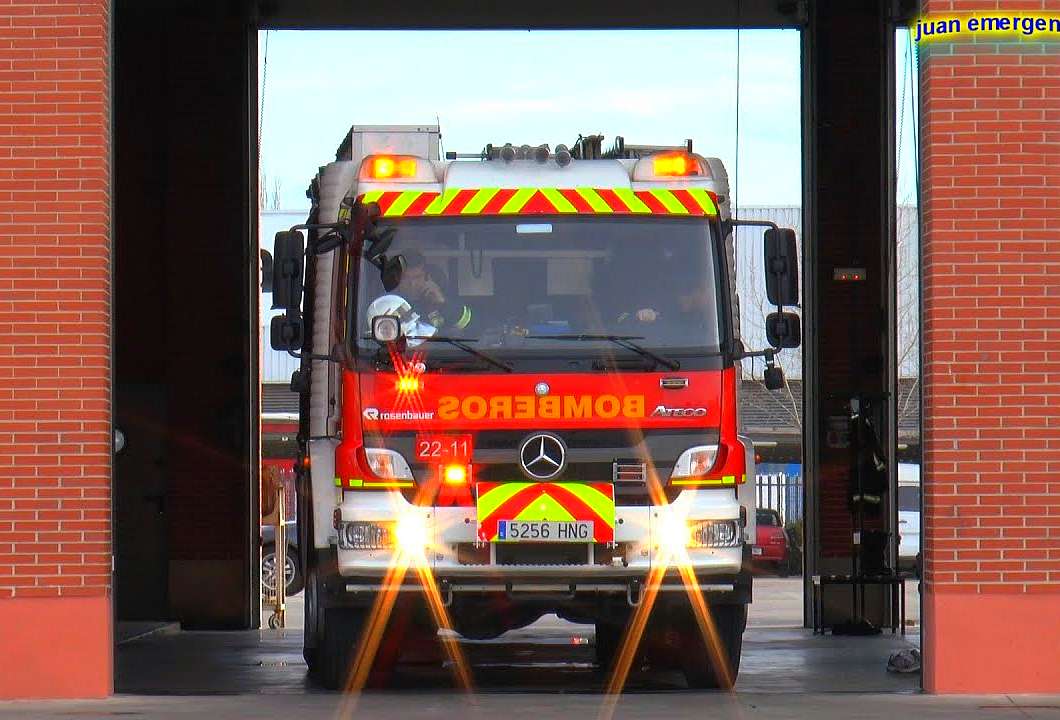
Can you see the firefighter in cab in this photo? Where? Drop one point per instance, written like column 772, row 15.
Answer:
column 420, row 303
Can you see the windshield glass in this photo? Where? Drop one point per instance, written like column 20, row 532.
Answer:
column 519, row 287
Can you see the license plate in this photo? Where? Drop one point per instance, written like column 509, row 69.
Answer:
column 545, row 512
column 756, row 551
column 443, row 448
column 577, row 531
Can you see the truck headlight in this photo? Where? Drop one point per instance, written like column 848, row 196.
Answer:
column 714, row 533
column 388, row 464
column 695, row 461
column 412, row 534
column 363, row 535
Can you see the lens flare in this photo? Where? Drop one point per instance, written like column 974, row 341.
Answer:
column 461, row 667
column 707, row 628
column 634, row 632
column 407, row 385
column 455, row 474
column 412, row 533
column 409, row 382
column 412, row 536
column 673, row 537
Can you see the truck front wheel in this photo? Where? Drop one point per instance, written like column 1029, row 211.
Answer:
column 338, row 637
column 337, row 640
column 696, row 654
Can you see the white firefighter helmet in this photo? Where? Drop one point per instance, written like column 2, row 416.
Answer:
column 411, row 325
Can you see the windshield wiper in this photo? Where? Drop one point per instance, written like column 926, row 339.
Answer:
column 623, row 341
column 462, row 343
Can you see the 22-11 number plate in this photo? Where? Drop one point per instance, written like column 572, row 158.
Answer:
column 577, row 531
column 443, row 448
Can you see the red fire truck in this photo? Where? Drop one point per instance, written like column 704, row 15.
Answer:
column 519, row 373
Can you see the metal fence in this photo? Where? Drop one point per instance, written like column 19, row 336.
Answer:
column 780, row 492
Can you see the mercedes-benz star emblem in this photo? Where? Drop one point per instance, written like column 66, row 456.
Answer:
column 542, row 456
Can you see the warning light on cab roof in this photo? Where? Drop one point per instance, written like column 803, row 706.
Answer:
column 389, row 167
column 674, row 164
column 671, row 166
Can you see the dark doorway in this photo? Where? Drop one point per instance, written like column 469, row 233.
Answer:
column 185, row 320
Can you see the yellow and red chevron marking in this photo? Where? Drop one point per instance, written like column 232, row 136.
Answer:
column 543, row 201
column 560, row 502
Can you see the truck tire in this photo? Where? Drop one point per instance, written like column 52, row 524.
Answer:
column 312, row 618
column 338, row 635
column 696, row 664
column 337, row 638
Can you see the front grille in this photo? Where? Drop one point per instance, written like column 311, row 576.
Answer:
column 473, row 554
column 633, row 471
column 542, row 554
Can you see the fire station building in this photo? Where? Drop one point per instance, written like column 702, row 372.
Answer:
column 120, row 310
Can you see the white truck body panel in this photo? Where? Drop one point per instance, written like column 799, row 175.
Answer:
column 419, row 140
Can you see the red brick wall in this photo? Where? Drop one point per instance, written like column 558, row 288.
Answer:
column 990, row 159
column 55, row 446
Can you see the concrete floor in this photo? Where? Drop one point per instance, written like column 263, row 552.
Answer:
column 777, row 604
column 551, row 656
column 541, row 671
column 435, row 706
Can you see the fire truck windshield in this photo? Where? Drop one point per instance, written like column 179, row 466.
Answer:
column 507, row 284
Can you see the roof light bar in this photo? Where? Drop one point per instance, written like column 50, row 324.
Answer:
column 674, row 164
column 671, row 165
column 397, row 168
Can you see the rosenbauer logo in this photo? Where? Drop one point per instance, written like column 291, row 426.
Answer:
column 374, row 415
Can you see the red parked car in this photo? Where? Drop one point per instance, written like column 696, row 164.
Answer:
column 771, row 542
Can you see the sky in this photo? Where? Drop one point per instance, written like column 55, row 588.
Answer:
column 651, row 87
column 906, row 130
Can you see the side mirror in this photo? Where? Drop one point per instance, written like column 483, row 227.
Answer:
column 773, row 378
column 781, row 267
column 288, row 268
column 287, row 332
column 266, row 271
column 329, row 242
column 378, row 244
column 391, row 272
column 783, row 330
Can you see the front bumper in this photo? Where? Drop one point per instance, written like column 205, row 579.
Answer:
column 457, row 557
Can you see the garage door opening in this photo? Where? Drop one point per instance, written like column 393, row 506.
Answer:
column 641, row 109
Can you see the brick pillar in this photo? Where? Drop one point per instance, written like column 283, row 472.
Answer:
column 990, row 153
column 55, row 445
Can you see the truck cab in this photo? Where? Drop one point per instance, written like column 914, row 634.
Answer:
column 519, row 377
